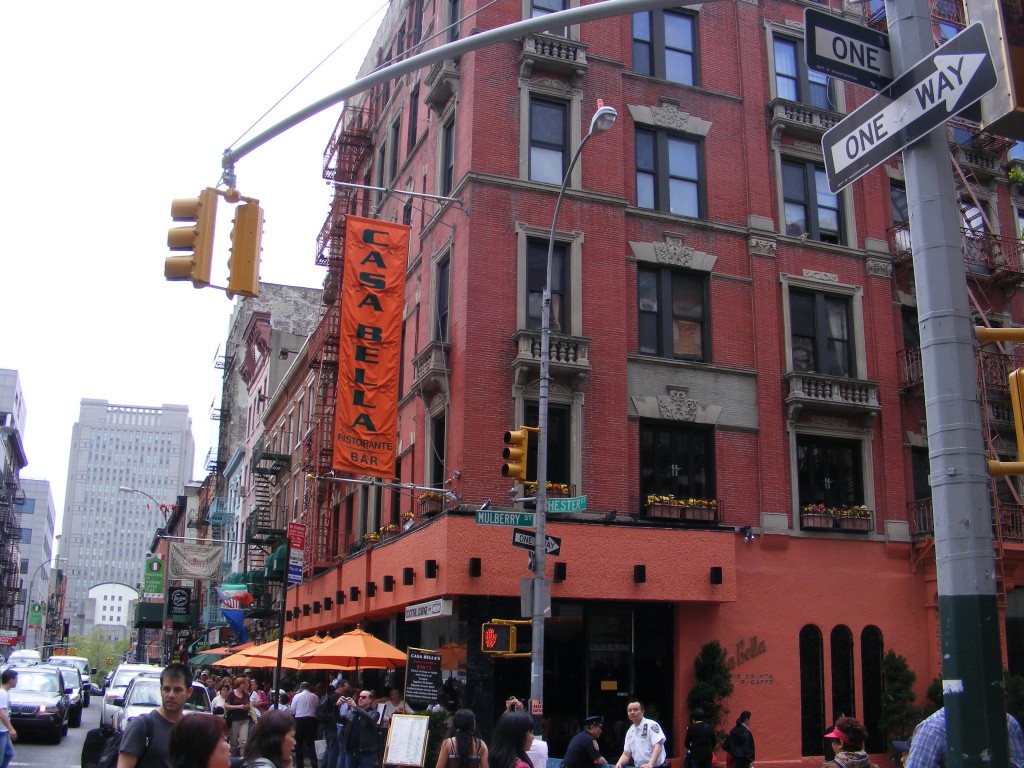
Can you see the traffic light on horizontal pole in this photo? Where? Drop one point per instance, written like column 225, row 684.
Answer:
column 197, row 238
column 244, row 262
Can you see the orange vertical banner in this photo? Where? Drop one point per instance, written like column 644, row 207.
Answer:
column 370, row 347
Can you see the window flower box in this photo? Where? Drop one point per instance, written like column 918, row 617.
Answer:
column 854, row 519
column 669, row 507
column 555, row 490
column 817, row 517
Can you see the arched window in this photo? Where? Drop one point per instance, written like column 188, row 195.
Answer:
column 872, row 684
column 812, row 690
column 843, row 699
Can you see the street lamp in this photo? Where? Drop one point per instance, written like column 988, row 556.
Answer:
column 162, row 507
column 602, row 120
column 28, row 596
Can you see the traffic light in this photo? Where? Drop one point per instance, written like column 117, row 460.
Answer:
column 244, row 263
column 498, row 638
column 514, row 454
column 1017, row 403
column 197, row 238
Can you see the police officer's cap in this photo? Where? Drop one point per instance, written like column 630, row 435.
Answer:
column 593, row 720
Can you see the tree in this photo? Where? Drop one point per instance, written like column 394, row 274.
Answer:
column 713, row 683
column 98, row 649
column 899, row 715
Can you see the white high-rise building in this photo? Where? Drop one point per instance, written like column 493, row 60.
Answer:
column 107, row 531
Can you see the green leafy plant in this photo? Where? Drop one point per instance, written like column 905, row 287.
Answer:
column 934, row 696
column 437, row 732
column 898, row 715
column 713, row 684
column 1016, row 175
column 1014, row 694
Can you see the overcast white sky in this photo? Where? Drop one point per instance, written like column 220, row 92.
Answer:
column 112, row 109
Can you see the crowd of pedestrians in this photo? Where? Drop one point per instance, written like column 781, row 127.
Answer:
column 263, row 730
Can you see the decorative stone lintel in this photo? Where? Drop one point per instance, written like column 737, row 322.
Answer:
column 669, row 116
column 673, row 253
column 676, row 406
column 762, row 246
column 879, row 267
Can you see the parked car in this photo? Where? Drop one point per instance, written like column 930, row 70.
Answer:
column 82, row 665
column 76, row 698
column 40, row 702
column 123, row 675
column 143, row 695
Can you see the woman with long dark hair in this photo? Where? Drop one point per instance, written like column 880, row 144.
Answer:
column 200, row 741
column 271, row 741
column 513, row 735
column 462, row 748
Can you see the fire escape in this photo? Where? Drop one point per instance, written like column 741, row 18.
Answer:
column 995, row 272
column 348, row 151
column 264, row 527
column 10, row 582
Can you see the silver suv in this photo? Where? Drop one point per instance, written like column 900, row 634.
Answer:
column 123, row 675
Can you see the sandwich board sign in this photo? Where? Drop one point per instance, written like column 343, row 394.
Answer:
column 849, row 51
column 949, row 79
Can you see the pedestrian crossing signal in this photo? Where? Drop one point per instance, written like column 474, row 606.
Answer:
column 498, row 638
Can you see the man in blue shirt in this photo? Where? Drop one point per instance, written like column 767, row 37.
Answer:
column 928, row 744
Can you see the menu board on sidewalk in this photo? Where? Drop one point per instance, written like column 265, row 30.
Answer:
column 422, row 677
column 407, row 740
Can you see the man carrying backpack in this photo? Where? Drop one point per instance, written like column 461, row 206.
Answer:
column 146, row 744
column 327, row 716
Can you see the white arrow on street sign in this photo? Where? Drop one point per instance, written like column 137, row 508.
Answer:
column 846, row 50
column 943, row 83
column 525, row 540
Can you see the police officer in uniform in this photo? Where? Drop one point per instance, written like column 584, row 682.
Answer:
column 583, row 751
column 645, row 740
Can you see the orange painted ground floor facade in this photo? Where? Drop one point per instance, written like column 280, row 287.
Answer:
column 805, row 620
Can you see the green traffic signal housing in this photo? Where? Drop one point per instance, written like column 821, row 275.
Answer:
column 197, row 238
column 514, row 454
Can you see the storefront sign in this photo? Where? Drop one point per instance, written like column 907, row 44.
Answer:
column 422, row 677
column 153, row 580
column 35, row 615
column 422, row 611
column 745, row 651
column 297, row 553
column 179, row 600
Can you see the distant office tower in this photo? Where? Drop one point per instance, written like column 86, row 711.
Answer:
column 146, row 450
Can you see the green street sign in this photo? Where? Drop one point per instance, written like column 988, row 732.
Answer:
column 511, row 519
column 570, row 504
column 35, row 615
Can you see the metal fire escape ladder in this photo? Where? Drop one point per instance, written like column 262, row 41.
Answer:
column 350, row 148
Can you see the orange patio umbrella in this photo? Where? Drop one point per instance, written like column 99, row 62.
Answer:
column 249, row 657
column 353, row 650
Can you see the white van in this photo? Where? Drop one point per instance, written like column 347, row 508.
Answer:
column 24, row 656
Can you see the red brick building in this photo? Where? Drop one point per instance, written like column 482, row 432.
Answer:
column 733, row 357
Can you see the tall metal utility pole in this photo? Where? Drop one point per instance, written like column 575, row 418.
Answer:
column 976, row 732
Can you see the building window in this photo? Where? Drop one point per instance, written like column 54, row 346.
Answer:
column 829, row 471
column 809, row 206
column 442, row 279
column 437, row 447
column 549, row 140
column 820, row 333
column 668, row 173
column 676, row 461
column 665, row 45
column 900, row 215
column 672, row 313
column 454, row 17
column 872, row 652
column 843, row 698
column 812, row 690
column 794, row 81
column 396, row 135
column 559, row 457
column 23, row 566
column 537, row 257
column 414, row 116
column 544, row 7
column 25, row 535
column 448, row 157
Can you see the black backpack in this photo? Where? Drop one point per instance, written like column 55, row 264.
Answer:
column 325, row 710
column 101, row 748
